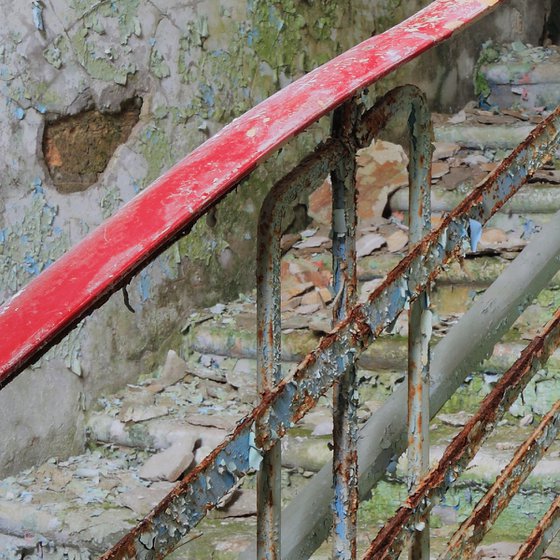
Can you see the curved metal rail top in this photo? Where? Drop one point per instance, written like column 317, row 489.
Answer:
column 88, row 274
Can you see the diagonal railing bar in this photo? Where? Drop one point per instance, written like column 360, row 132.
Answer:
column 295, row 395
column 471, row 532
column 105, row 260
column 542, row 535
column 392, row 538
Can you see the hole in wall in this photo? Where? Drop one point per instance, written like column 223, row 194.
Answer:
column 78, row 148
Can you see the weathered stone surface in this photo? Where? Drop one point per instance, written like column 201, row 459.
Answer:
column 142, row 501
column 480, row 137
column 174, row 369
column 381, row 169
column 243, row 503
column 243, row 373
column 139, row 413
column 497, row 551
column 368, row 243
column 170, row 464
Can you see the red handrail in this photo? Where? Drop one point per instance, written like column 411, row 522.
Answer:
column 51, row 304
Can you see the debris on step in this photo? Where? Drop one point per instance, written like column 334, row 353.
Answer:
column 397, row 241
column 457, row 419
column 84, row 513
column 170, row 464
column 444, row 150
column 174, row 369
column 241, row 503
column 381, row 169
column 143, row 502
column 139, row 413
column 497, row 551
column 368, row 243
column 519, row 75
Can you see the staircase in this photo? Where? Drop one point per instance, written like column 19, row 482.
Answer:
column 145, row 437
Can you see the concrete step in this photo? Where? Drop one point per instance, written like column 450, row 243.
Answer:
column 533, row 201
column 83, row 504
column 231, row 333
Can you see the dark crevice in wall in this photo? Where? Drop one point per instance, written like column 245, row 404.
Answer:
column 78, row 148
column 552, row 27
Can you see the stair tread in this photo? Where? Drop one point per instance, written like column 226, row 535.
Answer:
column 85, row 502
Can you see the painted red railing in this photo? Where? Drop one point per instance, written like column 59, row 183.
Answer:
column 53, row 303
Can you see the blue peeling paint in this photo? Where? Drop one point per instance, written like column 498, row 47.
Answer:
column 19, row 113
column 144, row 286
column 31, row 265
column 207, row 94
column 529, row 228
column 38, row 15
column 274, row 19
column 340, row 510
column 475, row 233
column 38, row 186
column 252, row 36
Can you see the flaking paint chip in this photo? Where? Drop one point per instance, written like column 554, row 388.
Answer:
column 251, row 132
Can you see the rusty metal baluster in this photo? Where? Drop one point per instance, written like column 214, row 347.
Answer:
column 304, row 179
column 269, row 373
column 345, row 390
column 419, row 316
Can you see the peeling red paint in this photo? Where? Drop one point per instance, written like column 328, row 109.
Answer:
column 88, row 274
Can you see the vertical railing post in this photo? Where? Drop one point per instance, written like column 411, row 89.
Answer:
column 280, row 200
column 419, row 318
column 345, row 391
column 269, row 373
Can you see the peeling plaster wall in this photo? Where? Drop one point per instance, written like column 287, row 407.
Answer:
column 195, row 65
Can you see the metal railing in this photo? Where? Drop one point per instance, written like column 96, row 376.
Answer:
column 351, row 131
column 289, row 398
column 54, row 302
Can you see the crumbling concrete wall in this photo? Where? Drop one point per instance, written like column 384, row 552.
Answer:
column 446, row 72
column 98, row 97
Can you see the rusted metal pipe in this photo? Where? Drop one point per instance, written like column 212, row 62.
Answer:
column 419, row 315
column 306, row 177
